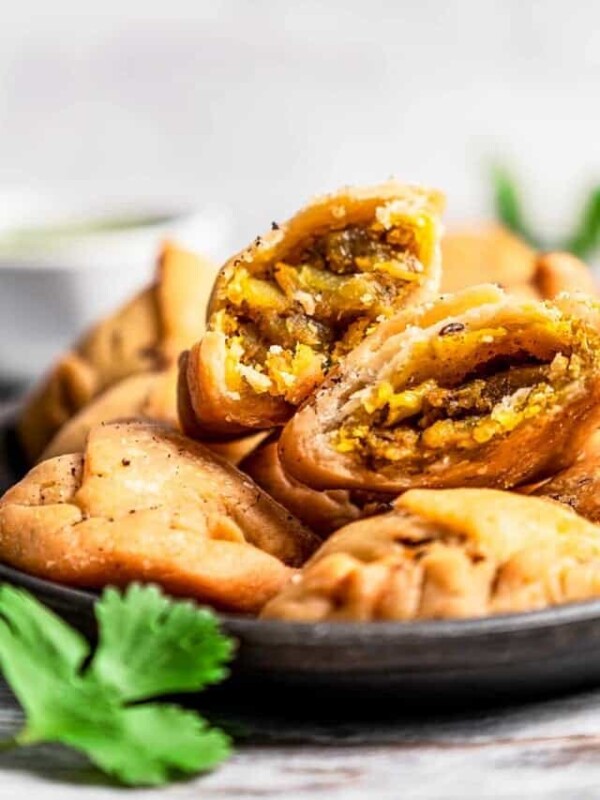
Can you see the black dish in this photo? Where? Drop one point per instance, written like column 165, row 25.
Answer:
column 497, row 657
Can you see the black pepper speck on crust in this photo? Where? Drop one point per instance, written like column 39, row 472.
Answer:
column 377, row 507
column 452, row 327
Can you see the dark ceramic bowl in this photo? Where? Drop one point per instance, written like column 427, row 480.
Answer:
column 517, row 654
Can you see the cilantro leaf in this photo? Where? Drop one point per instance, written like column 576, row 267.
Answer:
column 153, row 740
column 150, row 645
column 33, row 625
column 87, row 705
column 40, row 658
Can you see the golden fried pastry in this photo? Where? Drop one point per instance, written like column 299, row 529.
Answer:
column 490, row 253
column 476, row 389
column 149, row 395
column 578, row 486
column 447, row 553
column 301, row 297
column 236, row 450
column 323, row 512
column 144, row 503
column 562, row 272
column 144, row 336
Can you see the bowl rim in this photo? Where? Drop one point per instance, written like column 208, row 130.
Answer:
column 473, row 627
column 72, row 253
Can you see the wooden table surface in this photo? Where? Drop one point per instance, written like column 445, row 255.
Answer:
column 549, row 749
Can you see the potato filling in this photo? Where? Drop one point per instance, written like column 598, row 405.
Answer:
column 425, row 417
column 288, row 321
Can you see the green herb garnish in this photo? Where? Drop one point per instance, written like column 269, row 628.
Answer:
column 584, row 242
column 148, row 646
column 508, row 204
column 586, row 238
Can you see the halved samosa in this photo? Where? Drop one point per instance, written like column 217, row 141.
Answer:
column 144, row 503
column 447, row 553
column 302, row 296
column 476, row 389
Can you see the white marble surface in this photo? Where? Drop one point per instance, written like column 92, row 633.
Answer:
column 547, row 750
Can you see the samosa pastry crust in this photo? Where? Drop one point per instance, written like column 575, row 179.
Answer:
column 145, row 336
column 236, row 450
column 290, row 306
column 144, row 503
column 323, row 512
column 489, row 253
column 150, row 395
column 562, row 272
column 476, row 389
column 447, row 553
column 578, row 486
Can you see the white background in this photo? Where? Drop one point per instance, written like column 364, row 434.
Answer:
column 260, row 104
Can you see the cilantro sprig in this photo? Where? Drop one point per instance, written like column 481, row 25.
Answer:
column 148, row 646
column 584, row 241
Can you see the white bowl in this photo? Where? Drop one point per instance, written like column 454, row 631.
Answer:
column 53, row 286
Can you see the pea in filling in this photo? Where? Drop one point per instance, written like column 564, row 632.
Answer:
column 287, row 322
column 415, row 422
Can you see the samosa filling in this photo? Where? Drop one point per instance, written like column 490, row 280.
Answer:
column 287, row 322
column 424, row 419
